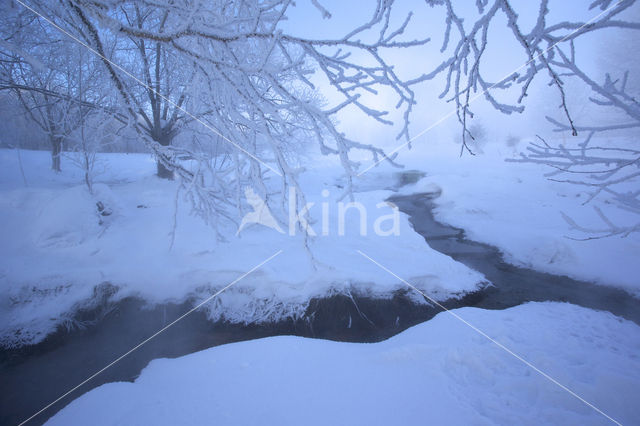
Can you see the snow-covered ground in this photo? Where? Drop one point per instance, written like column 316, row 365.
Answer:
column 514, row 207
column 439, row 372
column 56, row 248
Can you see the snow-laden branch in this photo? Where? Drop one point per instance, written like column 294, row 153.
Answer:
column 466, row 46
column 247, row 80
column 610, row 172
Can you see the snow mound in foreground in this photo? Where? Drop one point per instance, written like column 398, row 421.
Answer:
column 439, row 372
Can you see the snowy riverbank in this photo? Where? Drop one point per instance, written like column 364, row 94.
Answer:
column 439, row 372
column 515, row 208
column 57, row 248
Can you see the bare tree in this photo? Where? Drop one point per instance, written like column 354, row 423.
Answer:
column 52, row 114
column 46, row 82
column 159, row 95
column 228, row 67
column 92, row 132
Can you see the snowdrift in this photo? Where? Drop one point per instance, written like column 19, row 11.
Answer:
column 439, row 372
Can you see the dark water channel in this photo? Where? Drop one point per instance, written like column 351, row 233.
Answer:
column 31, row 377
column 512, row 285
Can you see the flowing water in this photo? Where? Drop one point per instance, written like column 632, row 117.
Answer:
column 33, row 376
column 512, row 285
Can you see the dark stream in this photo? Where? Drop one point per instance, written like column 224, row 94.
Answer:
column 512, row 285
column 32, row 377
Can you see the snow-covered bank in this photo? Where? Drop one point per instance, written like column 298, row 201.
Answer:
column 439, row 372
column 516, row 208
column 57, row 247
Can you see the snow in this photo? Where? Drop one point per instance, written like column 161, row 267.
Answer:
column 50, row 224
column 514, row 207
column 57, row 248
column 439, row 372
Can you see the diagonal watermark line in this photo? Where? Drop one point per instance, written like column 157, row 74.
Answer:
column 480, row 94
column 500, row 345
column 163, row 329
column 146, row 86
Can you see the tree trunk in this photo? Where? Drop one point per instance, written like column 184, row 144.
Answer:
column 163, row 172
column 56, row 150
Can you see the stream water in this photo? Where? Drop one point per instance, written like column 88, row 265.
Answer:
column 512, row 285
column 33, row 376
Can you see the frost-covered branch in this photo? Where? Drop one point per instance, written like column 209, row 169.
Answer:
column 548, row 50
column 609, row 172
column 542, row 44
column 227, row 66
